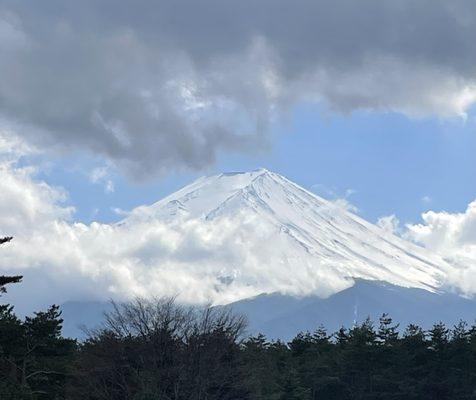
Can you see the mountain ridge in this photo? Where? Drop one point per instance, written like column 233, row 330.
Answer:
column 282, row 317
column 312, row 231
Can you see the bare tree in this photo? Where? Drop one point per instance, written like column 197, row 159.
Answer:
column 160, row 349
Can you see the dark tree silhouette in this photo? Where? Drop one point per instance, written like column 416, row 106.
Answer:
column 5, row 280
column 160, row 350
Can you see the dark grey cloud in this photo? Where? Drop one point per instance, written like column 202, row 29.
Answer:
column 153, row 85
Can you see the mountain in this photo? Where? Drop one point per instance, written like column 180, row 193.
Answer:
column 281, row 317
column 305, row 234
column 298, row 259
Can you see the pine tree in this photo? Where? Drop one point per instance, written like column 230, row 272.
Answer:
column 341, row 336
column 5, row 280
column 387, row 332
column 437, row 383
column 34, row 357
column 359, row 358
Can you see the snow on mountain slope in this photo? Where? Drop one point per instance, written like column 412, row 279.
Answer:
column 296, row 242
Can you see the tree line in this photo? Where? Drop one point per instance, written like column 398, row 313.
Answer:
column 159, row 349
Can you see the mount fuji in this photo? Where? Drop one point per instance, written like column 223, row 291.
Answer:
column 304, row 231
column 300, row 260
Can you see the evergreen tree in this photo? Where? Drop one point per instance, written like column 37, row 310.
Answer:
column 437, row 383
column 260, row 369
column 387, row 331
column 5, row 280
column 34, row 358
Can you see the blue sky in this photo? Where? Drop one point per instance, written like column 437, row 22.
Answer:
column 383, row 163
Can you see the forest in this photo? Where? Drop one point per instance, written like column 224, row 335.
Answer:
column 160, row 349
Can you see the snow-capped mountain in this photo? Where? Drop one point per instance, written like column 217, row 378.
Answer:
column 311, row 244
column 287, row 259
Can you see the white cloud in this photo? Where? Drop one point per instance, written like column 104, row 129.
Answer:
column 453, row 235
column 12, row 147
column 119, row 211
column 346, row 205
column 389, row 223
column 26, row 204
column 336, row 196
column 63, row 260
column 426, row 199
column 101, row 175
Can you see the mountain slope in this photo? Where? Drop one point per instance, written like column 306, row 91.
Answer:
column 306, row 243
column 282, row 317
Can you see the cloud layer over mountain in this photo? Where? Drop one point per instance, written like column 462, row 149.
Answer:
column 154, row 85
column 64, row 260
column 454, row 236
column 199, row 261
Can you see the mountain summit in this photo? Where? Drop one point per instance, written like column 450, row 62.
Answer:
column 298, row 243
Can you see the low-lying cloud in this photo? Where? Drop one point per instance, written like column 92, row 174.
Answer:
column 453, row 235
column 227, row 259
column 220, row 261
column 154, row 85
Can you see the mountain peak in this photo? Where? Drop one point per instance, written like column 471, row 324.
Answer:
column 256, row 171
column 296, row 234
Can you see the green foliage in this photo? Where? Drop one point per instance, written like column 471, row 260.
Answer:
column 364, row 363
column 160, row 351
column 34, row 359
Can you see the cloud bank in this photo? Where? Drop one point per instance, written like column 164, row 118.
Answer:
column 453, row 235
column 154, row 85
column 221, row 261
